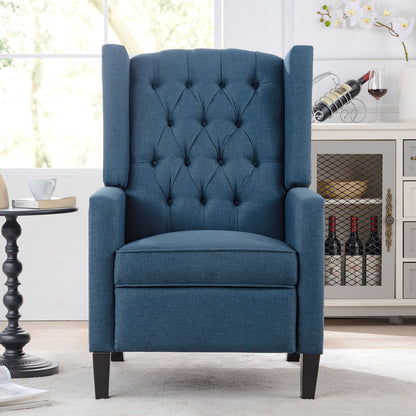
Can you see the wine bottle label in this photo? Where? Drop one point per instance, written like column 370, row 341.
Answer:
column 331, row 98
column 353, row 271
column 335, row 95
column 346, row 87
column 373, row 269
column 332, row 270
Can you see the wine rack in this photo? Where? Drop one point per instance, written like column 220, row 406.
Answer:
column 355, row 180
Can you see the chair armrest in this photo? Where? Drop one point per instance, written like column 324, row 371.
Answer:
column 106, row 234
column 304, row 211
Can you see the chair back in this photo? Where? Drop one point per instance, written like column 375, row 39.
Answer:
column 197, row 139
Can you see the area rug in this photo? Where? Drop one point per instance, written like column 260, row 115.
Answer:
column 351, row 382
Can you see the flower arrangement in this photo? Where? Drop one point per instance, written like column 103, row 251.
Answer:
column 339, row 13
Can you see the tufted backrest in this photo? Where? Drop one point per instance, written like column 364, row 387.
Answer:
column 197, row 138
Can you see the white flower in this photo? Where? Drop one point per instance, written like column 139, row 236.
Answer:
column 403, row 26
column 353, row 12
column 386, row 16
column 369, row 5
column 389, row 13
column 334, row 4
column 355, row 3
column 367, row 18
column 337, row 19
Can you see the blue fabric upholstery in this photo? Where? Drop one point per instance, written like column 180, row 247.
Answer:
column 205, row 237
column 206, row 143
column 298, row 86
column 305, row 233
column 116, row 95
column 205, row 319
column 106, row 235
column 206, row 258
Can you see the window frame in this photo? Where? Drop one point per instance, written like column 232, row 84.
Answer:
column 217, row 43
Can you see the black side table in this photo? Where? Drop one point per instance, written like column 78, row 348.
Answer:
column 13, row 337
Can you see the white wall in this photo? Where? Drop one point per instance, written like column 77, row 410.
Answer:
column 54, row 248
column 275, row 25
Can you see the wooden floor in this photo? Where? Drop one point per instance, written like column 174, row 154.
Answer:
column 339, row 333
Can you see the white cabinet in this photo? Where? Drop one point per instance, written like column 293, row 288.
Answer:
column 392, row 200
column 409, row 199
column 409, row 239
column 409, row 270
column 409, row 158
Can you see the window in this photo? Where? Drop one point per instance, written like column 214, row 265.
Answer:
column 50, row 69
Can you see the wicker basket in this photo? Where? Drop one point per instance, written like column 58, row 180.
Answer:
column 342, row 190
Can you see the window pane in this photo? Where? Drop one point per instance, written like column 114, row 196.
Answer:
column 51, row 26
column 153, row 25
column 51, row 113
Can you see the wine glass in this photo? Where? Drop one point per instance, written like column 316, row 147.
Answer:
column 377, row 87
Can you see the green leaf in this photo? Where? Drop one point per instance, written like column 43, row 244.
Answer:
column 322, row 20
column 325, row 7
column 327, row 23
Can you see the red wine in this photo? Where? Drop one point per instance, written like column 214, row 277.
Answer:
column 335, row 99
column 332, row 256
column 378, row 93
column 354, row 257
column 373, row 256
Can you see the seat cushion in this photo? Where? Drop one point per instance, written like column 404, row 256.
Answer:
column 206, row 258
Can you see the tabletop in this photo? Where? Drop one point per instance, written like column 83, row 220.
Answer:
column 17, row 212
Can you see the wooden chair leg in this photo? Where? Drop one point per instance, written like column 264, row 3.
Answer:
column 309, row 375
column 101, row 366
column 117, row 356
column 293, row 357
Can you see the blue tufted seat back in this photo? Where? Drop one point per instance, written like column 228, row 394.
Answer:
column 206, row 142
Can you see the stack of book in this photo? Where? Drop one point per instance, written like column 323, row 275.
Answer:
column 13, row 396
column 52, row 203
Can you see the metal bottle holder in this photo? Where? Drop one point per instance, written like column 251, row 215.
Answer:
column 354, row 111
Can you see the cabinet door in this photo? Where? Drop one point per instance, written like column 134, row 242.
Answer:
column 357, row 179
column 409, row 158
column 409, row 199
column 409, row 240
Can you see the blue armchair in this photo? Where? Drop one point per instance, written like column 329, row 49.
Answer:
column 206, row 236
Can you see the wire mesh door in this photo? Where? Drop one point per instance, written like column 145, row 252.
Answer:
column 352, row 178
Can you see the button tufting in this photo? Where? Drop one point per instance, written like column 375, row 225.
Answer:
column 170, row 123
column 221, row 162
column 236, row 202
column 188, row 84
column 187, row 162
column 255, row 85
column 154, row 163
column 169, row 201
column 255, row 163
column 204, row 123
column 238, row 124
column 154, row 85
column 221, row 84
column 203, row 200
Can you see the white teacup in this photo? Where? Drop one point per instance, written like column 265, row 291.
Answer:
column 42, row 188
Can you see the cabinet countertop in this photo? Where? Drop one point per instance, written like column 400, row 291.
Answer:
column 363, row 131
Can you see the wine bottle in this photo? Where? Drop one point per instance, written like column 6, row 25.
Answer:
column 373, row 256
column 338, row 97
column 354, row 257
column 332, row 256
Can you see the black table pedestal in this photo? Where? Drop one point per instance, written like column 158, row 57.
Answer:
column 13, row 337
